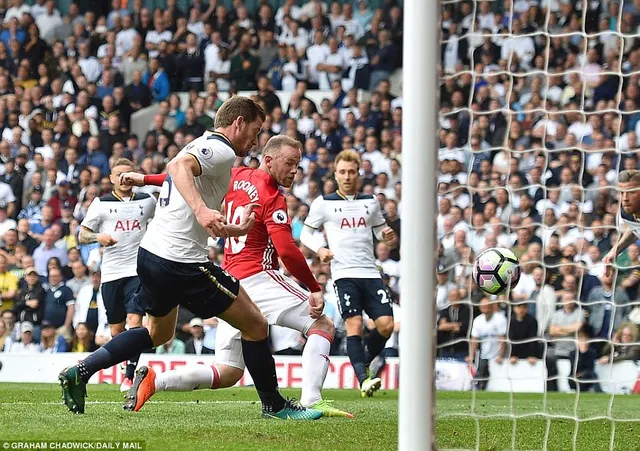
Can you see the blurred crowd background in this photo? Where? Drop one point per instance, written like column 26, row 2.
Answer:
column 539, row 113
column 74, row 76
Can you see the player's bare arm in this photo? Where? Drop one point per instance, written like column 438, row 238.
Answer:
column 246, row 223
column 182, row 170
column 87, row 236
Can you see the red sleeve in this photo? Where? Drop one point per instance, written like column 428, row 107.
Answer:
column 293, row 259
column 154, row 179
column 276, row 219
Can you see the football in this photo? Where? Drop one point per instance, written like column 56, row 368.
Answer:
column 495, row 270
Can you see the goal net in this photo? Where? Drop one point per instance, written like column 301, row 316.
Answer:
column 538, row 116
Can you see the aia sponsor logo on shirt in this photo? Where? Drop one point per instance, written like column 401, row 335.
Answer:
column 353, row 223
column 127, row 225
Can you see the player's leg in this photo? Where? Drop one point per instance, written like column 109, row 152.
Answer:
column 378, row 308
column 135, row 313
column 225, row 298
column 159, row 283
column 122, row 347
column 350, row 304
column 227, row 370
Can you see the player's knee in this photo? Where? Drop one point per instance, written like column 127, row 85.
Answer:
column 353, row 325
column 385, row 327
column 325, row 325
column 255, row 329
column 160, row 337
column 134, row 320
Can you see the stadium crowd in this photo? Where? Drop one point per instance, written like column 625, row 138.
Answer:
column 69, row 84
column 539, row 113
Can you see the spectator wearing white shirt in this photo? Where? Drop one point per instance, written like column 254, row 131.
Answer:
column 379, row 162
column 295, row 35
column 389, row 267
column 211, row 55
column 126, row 37
column 488, row 333
column 17, row 11
column 331, row 68
column 221, row 69
column 288, row 9
column 351, row 25
column 443, row 287
column 195, row 25
column 48, row 22
column 313, row 7
column 156, row 36
column 335, row 17
column 38, row 8
column 89, row 65
column 90, row 309
column 317, row 54
column 26, row 344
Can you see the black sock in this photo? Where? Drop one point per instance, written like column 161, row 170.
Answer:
column 356, row 355
column 375, row 345
column 131, row 367
column 128, row 344
column 262, row 367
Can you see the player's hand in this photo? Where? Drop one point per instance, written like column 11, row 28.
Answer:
column 248, row 218
column 106, row 240
column 131, row 179
column 316, row 305
column 325, row 255
column 213, row 222
column 388, row 234
column 609, row 260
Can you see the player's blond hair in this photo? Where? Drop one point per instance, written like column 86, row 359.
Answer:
column 276, row 143
column 124, row 162
column 238, row 106
column 629, row 176
column 350, row 156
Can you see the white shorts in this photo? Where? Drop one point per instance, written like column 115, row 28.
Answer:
column 282, row 301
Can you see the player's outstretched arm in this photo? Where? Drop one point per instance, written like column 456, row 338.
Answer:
column 182, row 170
column 137, row 179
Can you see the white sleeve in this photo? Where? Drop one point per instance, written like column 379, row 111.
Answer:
column 10, row 196
column 315, row 218
column 378, row 223
column 209, row 157
column 92, row 220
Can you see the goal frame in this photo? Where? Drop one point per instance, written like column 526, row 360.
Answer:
column 419, row 252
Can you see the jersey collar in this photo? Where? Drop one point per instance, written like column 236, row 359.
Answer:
column 223, row 136
column 345, row 197
column 120, row 198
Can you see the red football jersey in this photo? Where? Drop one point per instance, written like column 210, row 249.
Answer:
column 248, row 255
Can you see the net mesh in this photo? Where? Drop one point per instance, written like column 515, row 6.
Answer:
column 538, row 113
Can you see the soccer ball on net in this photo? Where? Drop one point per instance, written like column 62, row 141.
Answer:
column 495, row 270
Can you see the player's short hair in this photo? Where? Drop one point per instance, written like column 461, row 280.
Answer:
column 238, row 106
column 350, row 156
column 632, row 175
column 124, row 162
column 278, row 142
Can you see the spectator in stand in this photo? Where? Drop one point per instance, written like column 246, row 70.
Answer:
column 46, row 251
column 488, row 334
column 26, row 345
column 59, row 304
column 173, row 346
column 453, row 327
column 195, row 344
column 50, row 341
column 244, row 66
column 583, row 370
column 8, row 284
column 80, row 278
column 30, row 300
column 157, row 81
column 523, row 331
column 83, row 339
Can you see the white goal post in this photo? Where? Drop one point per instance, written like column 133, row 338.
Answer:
column 419, row 149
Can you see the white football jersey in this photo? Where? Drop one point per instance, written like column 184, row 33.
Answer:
column 126, row 221
column 349, row 225
column 174, row 233
column 631, row 221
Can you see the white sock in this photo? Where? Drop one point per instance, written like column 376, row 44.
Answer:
column 315, row 364
column 193, row 377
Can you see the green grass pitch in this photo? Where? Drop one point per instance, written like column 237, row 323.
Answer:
column 229, row 419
